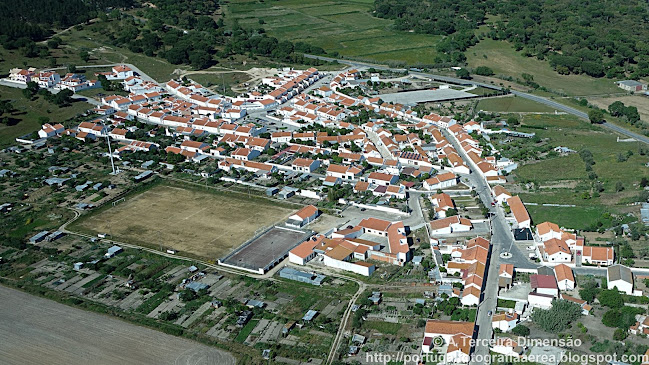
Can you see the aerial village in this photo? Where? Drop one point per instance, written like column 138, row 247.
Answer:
column 302, row 126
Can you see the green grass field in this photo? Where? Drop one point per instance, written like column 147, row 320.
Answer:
column 346, row 27
column 569, row 217
column 501, row 57
column 512, row 104
column 25, row 119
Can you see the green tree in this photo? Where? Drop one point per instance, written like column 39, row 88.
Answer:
column 463, row 74
column 484, row 71
column 521, row 330
column 595, row 116
column 557, row 318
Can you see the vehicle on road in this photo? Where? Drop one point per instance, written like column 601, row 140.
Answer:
column 489, row 313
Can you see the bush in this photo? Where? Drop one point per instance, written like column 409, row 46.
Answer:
column 521, row 330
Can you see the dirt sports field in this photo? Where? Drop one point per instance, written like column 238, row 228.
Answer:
column 207, row 225
column 40, row 331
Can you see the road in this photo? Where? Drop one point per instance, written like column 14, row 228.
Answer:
column 536, row 98
column 36, row 330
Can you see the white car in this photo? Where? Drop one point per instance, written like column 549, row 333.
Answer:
column 530, row 248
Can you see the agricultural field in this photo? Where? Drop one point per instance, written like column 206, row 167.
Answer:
column 38, row 330
column 565, row 179
column 640, row 102
column 512, row 104
column 503, row 59
column 346, row 27
column 196, row 223
column 26, row 117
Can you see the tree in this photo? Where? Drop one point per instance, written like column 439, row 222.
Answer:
column 611, row 298
column 84, row 55
column 619, row 186
column 484, row 71
column 595, row 116
column 557, row 318
column 616, row 109
column 463, row 74
column 521, row 330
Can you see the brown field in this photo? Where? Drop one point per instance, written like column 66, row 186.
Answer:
column 201, row 224
column 40, row 331
column 640, row 102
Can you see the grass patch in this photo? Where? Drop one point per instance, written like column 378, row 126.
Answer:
column 569, row 217
column 344, row 27
column 25, row 119
column 246, row 330
column 501, row 57
column 383, row 327
column 512, row 104
column 152, row 303
column 94, row 281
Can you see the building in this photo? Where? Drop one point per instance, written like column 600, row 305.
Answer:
column 450, row 225
column 519, row 212
column 631, row 85
column 555, row 250
column 455, row 340
column 303, row 216
column 565, row 278
column 305, row 165
column 621, row 278
column 547, row 231
column 505, row 275
column 379, row 178
column 441, row 181
column 501, row 194
column 544, row 284
column 504, row 321
column 301, row 276
column 603, row 256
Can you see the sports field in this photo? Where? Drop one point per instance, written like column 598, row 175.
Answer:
column 346, row 27
column 201, row 224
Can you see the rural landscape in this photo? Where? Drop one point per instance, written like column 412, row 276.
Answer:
column 324, row 182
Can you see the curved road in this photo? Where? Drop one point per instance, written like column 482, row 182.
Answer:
column 536, row 98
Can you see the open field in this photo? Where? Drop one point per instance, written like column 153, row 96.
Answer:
column 346, row 27
column 25, row 119
column 503, row 59
column 39, row 331
column 207, row 225
column 569, row 217
column 640, row 102
column 512, row 104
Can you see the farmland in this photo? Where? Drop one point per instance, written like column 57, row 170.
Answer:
column 196, row 223
column 346, row 27
column 512, row 104
column 38, row 330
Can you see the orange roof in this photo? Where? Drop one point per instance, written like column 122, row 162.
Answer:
column 375, row 224
column 563, row 272
column 304, row 249
column 506, row 269
column 554, row 246
column 446, row 222
column 307, row 212
column 361, row 186
column 547, row 227
column 499, row 190
column 598, row 253
column 518, row 209
column 449, row 327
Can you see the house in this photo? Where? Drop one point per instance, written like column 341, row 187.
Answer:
column 565, row 278
column 304, row 252
column 245, row 154
column 547, row 231
column 343, row 172
column 539, row 300
column 305, row 165
column 505, row 275
column 585, row 307
column 379, row 178
column 49, row 130
column 604, row 256
column 507, row 347
column 519, row 212
column 544, row 284
column 450, row 225
column 621, row 278
column 504, row 321
column 441, row 181
column 303, row 216
column 470, row 296
column 501, row 194
column 455, row 339
column 631, row 85
column 442, row 203
column 555, row 250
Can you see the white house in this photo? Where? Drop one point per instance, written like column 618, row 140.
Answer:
column 555, row 250
column 379, row 178
column 544, row 284
column 565, row 278
column 305, row 165
column 441, row 181
column 304, row 216
column 504, row 321
column 450, row 225
column 547, row 231
column 454, row 339
column 621, row 278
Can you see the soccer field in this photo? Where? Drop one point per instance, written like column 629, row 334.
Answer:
column 201, row 224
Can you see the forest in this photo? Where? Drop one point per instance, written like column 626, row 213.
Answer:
column 593, row 37
column 22, row 21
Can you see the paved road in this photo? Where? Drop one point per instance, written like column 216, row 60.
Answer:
column 35, row 330
column 539, row 99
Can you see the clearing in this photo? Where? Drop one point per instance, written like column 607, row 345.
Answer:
column 512, row 104
column 640, row 102
column 344, row 27
column 39, row 331
column 202, row 224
